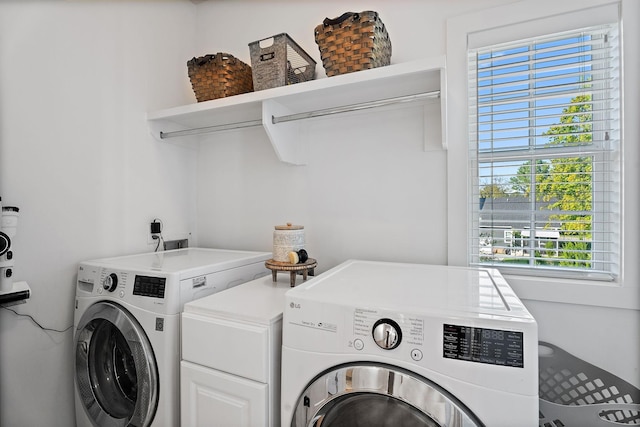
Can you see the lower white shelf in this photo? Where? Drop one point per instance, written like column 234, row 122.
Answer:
column 19, row 292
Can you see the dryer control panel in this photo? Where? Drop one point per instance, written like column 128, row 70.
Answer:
column 412, row 335
column 481, row 345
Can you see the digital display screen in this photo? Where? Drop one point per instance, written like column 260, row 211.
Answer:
column 491, row 346
column 147, row 286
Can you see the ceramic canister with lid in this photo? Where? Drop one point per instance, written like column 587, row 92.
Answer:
column 287, row 238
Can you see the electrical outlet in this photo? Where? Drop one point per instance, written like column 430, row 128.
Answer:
column 155, row 229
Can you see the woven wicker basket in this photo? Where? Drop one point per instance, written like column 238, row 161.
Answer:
column 279, row 61
column 353, row 42
column 218, row 76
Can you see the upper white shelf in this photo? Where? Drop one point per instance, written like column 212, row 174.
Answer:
column 281, row 110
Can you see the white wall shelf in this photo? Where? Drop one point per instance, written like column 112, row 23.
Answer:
column 19, row 292
column 282, row 110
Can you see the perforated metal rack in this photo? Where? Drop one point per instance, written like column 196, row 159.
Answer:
column 575, row 393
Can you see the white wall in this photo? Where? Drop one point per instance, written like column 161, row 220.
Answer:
column 369, row 189
column 76, row 80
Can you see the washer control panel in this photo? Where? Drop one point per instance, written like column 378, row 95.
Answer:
column 148, row 286
column 107, row 282
column 160, row 293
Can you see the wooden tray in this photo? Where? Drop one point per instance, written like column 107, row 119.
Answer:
column 305, row 267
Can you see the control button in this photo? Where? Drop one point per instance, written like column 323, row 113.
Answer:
column 387, row 334
column 110, row 283
column 416, row 354
column 358, row 344
column 121, row 294
column 100, row 290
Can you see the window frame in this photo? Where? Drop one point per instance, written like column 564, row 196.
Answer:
column 602, row 150
column 522, row 20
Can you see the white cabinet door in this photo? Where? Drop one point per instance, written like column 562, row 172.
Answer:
column 210, row 398
column 238, row 348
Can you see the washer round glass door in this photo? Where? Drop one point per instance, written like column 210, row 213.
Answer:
column 378, row 396
column 116, row 372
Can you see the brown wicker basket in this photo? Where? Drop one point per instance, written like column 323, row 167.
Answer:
column 279, row 61
column 218, row 76
column 353, row 42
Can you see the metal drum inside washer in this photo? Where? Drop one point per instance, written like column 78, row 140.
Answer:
column 116, row 371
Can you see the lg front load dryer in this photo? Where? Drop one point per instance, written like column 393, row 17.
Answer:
column 386, row 344
column 127, row 329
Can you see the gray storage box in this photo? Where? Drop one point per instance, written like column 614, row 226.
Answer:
column 279, row 61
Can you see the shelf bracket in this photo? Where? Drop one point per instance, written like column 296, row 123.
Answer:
column 285, row 138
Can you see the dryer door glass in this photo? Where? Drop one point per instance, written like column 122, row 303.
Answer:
column 116, row 374
column 378, row 396
column 369, row 409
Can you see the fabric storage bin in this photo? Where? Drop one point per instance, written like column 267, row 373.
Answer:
column 279, row 61
column 353, row 42
column 219, row 76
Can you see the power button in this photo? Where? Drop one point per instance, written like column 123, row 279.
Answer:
column 416, row 354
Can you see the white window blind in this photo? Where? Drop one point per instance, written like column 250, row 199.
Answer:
column 545, row 154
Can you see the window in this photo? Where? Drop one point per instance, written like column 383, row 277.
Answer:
column 545, row 154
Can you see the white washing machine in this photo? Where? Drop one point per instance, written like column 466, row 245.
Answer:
column 127, row 329
column 389, row 344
